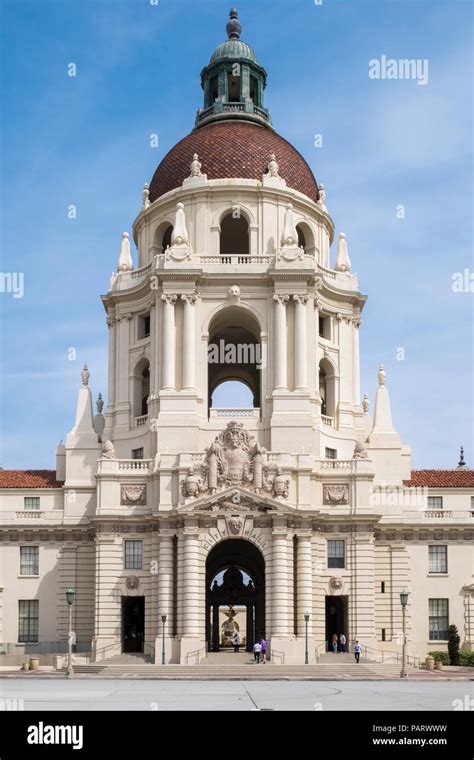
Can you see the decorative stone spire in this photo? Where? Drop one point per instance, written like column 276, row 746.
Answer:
column 290, row 235
column 99, row 419
column 383, row 430
column 180, row 233
column 273, row 168
column 462, row 464
column 321, row 197
column 234, row 27
column 343, row 262
column 125, row 262
column 196, row 166
column 85, row 375
column 366, row 403
column 146, row 196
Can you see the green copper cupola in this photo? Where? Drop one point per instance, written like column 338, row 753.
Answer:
column 233, row 81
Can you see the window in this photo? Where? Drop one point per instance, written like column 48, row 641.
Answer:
column 472, row 503
column 438, row 556
column 31, row 502
column 29, row 560
column 234, row 238
column 382, row 587
column 336, row 554
column 143, row 326
column 137, row 453
column 435, row 502
column 383, row 634
column 438, row 610
column 133, row 555
column 28, row 620
column 331, row 453
column 324, row 327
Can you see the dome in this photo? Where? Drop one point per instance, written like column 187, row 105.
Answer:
column 233, row 149
column 233, row 49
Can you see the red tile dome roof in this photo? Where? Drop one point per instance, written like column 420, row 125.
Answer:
column 233, row 149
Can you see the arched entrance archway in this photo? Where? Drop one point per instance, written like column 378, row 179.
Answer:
column 232, row 561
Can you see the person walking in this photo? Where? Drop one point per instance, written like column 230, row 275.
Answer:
column 72, row 636
column 357, row 651
column 236, row 640
column 257, row 648
column 263, row 644
column 334, row 643
column 342, row 643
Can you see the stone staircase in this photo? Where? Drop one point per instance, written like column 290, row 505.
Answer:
column 230, row 665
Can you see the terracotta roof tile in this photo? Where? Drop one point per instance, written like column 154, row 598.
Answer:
column 233, row 149
column 29, row 479
column 441, row 479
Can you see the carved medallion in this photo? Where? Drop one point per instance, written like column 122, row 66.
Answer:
column 132, row 495
column 335, row 494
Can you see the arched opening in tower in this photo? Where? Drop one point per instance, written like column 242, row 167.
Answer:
column 141, row 388
column 327, row 389
column 234, row 363
column 234, row 236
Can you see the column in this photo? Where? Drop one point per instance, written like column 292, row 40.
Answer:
column 317, row 356
column 169, row 342
column 165, row 582
column 280, row 583
column 301, row 347
column 112, row 325
column 356, row 361
column 191, row 581
column 122, row 358
column 189, row 342
column 280, row 353
column 304, row 582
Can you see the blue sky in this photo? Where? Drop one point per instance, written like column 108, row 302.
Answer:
column 85, row 141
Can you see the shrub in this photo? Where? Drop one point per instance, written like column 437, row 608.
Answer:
column 440, row 657
column 453, row 645
column 466, row 659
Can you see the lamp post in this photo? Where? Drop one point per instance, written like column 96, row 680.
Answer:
column 163, row 652
column 70, row 602
column 404, row 602
column 306, row 621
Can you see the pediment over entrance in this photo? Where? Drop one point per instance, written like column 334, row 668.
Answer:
column 236, row 500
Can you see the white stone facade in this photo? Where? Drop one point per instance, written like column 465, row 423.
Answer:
column 305, row 466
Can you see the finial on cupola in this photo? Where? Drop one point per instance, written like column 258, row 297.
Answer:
column 462, row 464
column 234, row 27
column 85, row 375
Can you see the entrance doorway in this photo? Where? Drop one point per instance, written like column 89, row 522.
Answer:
column 133, row 623
column 336, row 619
column 235, row 591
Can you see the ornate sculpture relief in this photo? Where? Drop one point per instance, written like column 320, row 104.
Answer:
column 235, row 525
column 233, row 459
column 336, row 583
column 132, row 582
column 335, row 494
column 132, row 495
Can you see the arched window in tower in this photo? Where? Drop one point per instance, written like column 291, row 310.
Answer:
column 141, row 391
column 327, row 389
column 233, row 86
column 306, row 238
column 234, row 236
column 166, row 241
column 234, row 364
column 213, row 90
column 254, row 90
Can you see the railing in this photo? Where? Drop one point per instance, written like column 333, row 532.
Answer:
column 137, row 274
column 237, row 258
column 319, row 648
column 30, row 514
column 141, row 421
column 275, row 654
column 234, row 106
column 329, row 421
column 133, row 465
column 234, row 412
column 439, row 513
column 336, row 464
column 387, row 655
column 260, row 112
column 197, row 654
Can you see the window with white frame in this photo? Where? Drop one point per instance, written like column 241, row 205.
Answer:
column 336, row 553
column 330, row 453
column 28, row 613
column 29, row 560
column 435, row 502
column 438, row 558
column 31, row 502
column 439, row 617
column 133, row 555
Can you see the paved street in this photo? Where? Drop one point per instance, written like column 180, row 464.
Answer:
column 134, row 694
